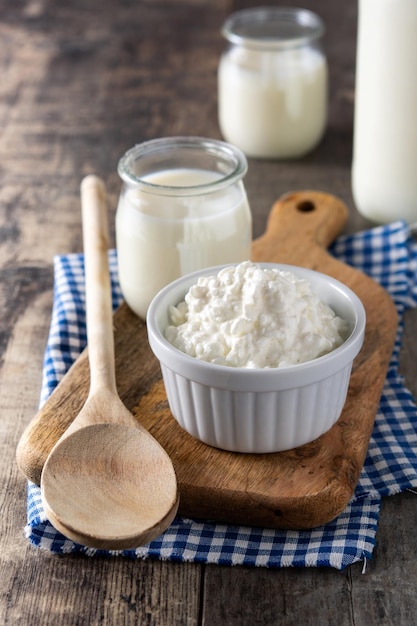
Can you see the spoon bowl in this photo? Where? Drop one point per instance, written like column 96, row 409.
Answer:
column 107, row 483
column 127, row 515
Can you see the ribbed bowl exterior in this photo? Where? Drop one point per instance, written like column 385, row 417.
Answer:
column 257, row 422
column 257, row 410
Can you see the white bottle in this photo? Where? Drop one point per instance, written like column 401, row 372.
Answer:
column 272, row 82
column 384, row 170
column 182, row 207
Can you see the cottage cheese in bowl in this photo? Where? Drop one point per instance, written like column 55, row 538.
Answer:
column 249, row 316
column 256, row 357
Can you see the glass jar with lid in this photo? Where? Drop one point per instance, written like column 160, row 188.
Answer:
column 272, row 82
column 182, row 207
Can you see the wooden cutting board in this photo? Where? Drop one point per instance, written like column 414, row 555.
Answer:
column 301, row 488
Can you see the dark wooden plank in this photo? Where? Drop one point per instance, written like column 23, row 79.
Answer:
column 81, row 82
column 256, row 597
column 408, row 353
column 386, row 593
column 75, row 591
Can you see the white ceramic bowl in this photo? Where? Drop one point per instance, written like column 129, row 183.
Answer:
column 257, row 410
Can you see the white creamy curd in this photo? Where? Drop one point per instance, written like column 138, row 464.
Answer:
column 253, row 317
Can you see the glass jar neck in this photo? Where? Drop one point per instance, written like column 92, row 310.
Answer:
column 152, row 166
column 273, row 28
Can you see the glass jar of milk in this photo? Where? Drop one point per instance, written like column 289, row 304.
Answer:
column 272, row 82
column 182, row 207
column 384, row 169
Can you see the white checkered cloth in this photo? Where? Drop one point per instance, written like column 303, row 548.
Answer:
column 389, row 255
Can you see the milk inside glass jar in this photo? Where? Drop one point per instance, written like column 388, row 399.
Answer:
column 182, row 207
column 384, row 171
column 272, row 82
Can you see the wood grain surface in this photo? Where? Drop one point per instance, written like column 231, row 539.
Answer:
column 301, row 488
column 81, row 82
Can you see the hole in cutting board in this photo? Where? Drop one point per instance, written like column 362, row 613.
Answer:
column 306, row 206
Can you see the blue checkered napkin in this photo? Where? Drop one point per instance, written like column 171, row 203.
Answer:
column 390, row 256
column 387, row 254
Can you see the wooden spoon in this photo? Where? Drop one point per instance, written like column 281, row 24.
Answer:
column 107, row 483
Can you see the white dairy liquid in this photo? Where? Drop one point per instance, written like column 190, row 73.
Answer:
column 273, row 104
column 162, row 237
column 384, row 172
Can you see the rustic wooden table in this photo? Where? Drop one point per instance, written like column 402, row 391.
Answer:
column 80, row 83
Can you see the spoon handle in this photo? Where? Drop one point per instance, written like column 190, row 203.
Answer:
column 99, row 314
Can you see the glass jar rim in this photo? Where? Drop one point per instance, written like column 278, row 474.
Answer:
column 219, row 150
column 273, row 28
